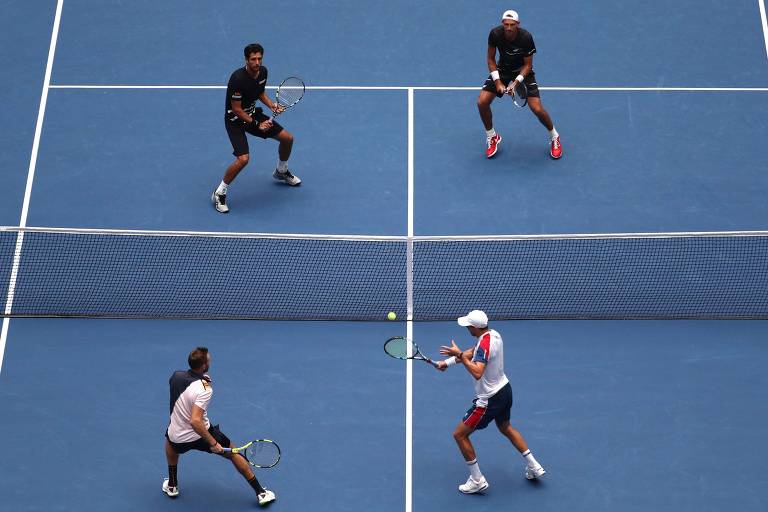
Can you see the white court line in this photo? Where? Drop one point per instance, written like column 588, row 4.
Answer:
column 429, row 88
column 764, row 18
column 30, row 179
column 409, row 321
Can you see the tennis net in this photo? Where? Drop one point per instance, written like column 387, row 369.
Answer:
column 54, row 272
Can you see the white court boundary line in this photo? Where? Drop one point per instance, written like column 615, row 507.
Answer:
column 30, row 179
column 409, row 321
column 427, row 88
column 764, row 19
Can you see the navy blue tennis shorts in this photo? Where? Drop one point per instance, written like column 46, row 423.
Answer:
column 498, row 409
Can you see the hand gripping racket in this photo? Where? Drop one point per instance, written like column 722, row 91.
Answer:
column 519, row 93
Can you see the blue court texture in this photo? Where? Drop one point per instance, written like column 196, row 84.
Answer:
column 625, row 415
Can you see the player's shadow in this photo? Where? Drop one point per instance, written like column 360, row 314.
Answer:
column 260, row 195
column 512, row 477
column 526, row 156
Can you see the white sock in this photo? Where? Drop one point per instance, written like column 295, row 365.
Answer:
column 474, row 470
column 222, row 188
column 553, row 133
column 490, row 133
column 282, row 165
column 528, row 456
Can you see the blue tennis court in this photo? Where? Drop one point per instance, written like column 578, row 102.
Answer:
column 112, row 121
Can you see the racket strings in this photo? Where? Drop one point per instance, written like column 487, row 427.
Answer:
column 290, row 92
column 521, row 94
column 397, row 347
column 263, row 453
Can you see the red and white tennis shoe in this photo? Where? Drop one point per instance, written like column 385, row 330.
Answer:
column 555, row 149
column 493, row 145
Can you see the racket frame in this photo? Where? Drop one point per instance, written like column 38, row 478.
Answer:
column 518, row 100
column 416, row 353
column 283, row 105
column 243, row 450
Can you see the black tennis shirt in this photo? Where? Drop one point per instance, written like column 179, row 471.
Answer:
column 511, row 53
column 246, row 89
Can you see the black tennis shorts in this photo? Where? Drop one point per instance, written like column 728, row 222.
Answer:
column 201, row 444
column 237, row 130
column 507, row 76
column 498, row 409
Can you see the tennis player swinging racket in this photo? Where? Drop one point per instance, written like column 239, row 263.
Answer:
column 189, row 428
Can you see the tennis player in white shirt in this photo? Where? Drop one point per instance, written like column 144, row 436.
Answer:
column 493, row 402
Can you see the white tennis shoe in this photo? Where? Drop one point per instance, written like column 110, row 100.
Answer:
column 220, row 202
column 471, row 486
column 172, row 492
column 266, row 497
column 532, row 473
column 287, row 177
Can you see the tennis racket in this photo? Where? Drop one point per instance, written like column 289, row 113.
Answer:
column 260, row 453
column 519, row 93
column 397, row 347
column 289, row 93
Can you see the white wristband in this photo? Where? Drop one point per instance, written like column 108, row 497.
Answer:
column 450, row 361
column 495, row 74
column 520, row 78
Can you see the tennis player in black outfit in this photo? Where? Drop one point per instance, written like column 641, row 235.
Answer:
column 241, row 115
column 516, row 48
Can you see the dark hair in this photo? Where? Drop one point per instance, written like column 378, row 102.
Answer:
column 198, row 358
column 253, row 48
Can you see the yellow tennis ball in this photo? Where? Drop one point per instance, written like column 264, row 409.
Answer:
column 392, row 315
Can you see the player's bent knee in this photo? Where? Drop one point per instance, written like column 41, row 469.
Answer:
column 243, row 160
column 460, row 434
column 485, row 99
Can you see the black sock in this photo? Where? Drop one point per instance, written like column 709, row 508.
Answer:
column 172, row 478
column 256, row 485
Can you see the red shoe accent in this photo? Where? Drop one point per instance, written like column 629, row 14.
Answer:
column 493, row 145
column 555, row 149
